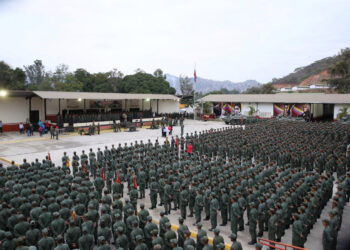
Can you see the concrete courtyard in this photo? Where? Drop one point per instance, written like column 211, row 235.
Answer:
column 16, row 147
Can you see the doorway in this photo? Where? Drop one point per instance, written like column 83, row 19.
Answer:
column 328, row 112
column 34, row 118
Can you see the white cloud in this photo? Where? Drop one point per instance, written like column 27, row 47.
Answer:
column 228, row 39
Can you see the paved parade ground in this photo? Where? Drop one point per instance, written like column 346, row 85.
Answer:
column 16, row 147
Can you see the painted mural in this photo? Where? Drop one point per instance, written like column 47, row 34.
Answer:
column 225, row 109
column 292, row 110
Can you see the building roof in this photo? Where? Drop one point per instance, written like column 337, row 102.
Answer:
column 280, row 98
column 101, row 96
column 20, row 93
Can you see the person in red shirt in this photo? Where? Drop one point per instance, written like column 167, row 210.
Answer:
column 189, row 148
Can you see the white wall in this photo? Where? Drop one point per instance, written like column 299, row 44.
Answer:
column 265, row 109
column 337, row 108
column 14, row 110
column 38, row 104
column 146, row 105
column 317, row 110
column 165, row 106
column 52, row 106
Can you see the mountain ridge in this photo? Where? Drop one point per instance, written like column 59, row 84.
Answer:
column 204, row 85
column 317, row 68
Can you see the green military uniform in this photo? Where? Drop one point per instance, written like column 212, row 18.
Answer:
column 86, row 241
column 154, row 188
column 225, row 202
column 167, row 198
column 198, row 206
column 253, row 218
column 235, row 216
column 328, row 237
column 46, row 242
column 168, row 236
column 200, row 234
column 121, row 239
column 184, row 197
column 162, row 224
column 297, row 232
column 214, row 207
column 181, row 232
column 218, row 239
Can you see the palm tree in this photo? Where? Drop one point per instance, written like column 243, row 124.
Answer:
column 343, row 112
column 252, row 110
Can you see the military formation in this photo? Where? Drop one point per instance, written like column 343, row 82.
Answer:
column 276, row 174
column 93, row 129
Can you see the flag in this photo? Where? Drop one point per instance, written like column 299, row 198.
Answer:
column 103, row 174
column 83, row 165
column 135, row 183
column 118, row 179
column 177, row 143
column 195, row 75
column 49, row 156
column 68, row 162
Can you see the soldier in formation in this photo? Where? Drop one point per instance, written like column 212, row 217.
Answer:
column 277, row 181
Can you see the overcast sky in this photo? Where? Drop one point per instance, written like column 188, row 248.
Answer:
column 228, row 39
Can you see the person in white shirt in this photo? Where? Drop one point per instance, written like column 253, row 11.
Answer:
column 21, row 128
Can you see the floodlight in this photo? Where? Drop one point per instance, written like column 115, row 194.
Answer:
column 3, row 93
column 79, row 99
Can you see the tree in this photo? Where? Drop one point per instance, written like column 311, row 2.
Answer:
column 85, row 78
column 60, row 74
column 70, row 83
column 18, row 79
column 340, row 73
column 145, row 83
column 46, row 85
column 226, row 91
column 115, row 77
column 267, row 88
column 252, row 110
column 159, row 73
column 343, row 112
column 35, row 73
column 185, row 85
column 11, row 78
column 263, row 89
column 139, row 70
column 100, row 82
column 206, row 107
column 5, row 75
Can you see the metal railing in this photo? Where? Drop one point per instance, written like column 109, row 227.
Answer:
column 278, row 245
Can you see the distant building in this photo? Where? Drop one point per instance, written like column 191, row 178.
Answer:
column 314, row 82
column 321, row 105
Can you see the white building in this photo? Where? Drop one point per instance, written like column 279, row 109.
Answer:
column 24, row 106
column 321, row 105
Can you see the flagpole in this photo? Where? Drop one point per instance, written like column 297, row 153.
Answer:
column 194, row 90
